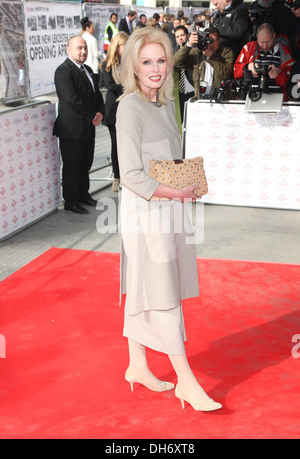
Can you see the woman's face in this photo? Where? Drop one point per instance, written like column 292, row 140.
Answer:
column 152, row 69
column 91, row 29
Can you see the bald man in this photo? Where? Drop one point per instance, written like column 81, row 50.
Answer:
column 80, row 109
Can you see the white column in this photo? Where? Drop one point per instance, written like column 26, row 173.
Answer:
column 175, row 3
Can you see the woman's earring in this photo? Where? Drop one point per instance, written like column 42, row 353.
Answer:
column 135, row 76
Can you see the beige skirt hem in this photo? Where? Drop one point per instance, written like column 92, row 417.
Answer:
column 160, row 330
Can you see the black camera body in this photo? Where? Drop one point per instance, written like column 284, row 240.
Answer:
column 203, row 36
column 262, row 71
column 203, row 40
column 259, row 15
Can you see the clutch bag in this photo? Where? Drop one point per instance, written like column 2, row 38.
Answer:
column 179, row 173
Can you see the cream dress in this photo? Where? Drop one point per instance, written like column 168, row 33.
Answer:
column 158, row 257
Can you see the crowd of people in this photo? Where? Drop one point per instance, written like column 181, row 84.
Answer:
column 210, row 50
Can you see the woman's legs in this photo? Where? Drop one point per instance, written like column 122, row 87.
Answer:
column 138, row 365
column 187, row 381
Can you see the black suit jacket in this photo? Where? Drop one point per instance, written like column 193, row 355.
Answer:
column 77, row 102
column 114, row 91
column 123, row 26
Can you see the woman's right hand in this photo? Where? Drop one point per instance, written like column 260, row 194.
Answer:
column 188, row 193
column 183, row 195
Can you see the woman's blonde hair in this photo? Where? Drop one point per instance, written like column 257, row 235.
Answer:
column 112, row 57
column 137, row 40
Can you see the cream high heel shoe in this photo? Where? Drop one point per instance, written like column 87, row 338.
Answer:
column 210, row 405
column 162, row 387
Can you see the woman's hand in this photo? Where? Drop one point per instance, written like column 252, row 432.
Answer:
column 183, row 195
column 188, row 194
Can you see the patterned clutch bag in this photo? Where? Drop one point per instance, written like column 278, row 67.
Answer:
column 179, row 173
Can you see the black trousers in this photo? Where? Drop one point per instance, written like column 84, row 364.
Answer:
column 183, row 98
column 77, row 157
column 114, row 152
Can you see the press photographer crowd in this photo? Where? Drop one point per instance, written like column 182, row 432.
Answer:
column 239, row 50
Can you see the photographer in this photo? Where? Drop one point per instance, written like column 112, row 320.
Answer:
column 261, row 11
column 233, row 23
column 185, row 76
column 211, row 63
column 266, row 51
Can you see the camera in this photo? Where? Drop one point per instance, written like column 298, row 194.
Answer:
column 293, row 4
column 203, row 40
column 259, row 15
column 203, row 36
column 262, row 71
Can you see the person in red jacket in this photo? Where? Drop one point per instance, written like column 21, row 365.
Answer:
column 267, row 50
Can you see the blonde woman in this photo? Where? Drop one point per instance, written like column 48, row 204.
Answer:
column 158, row 267
column 111, row 79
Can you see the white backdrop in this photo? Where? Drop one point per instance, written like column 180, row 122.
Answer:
column 29, row 167
column 249, row 159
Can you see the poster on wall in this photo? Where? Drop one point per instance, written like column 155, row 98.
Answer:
column 48, row 27
column 13, row 84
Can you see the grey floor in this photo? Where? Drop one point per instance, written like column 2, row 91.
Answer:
column 240, row 233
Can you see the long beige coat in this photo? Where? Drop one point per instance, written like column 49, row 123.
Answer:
column 158, row 267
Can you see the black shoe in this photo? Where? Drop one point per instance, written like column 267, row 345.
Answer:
column 77, row 208
column 90, row 202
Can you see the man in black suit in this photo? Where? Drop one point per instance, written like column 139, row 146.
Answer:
column 80, row 109
column 126, row 23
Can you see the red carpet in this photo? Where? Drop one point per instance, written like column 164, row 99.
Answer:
column 65, row 355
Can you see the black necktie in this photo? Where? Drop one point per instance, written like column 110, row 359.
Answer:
column 86, row 76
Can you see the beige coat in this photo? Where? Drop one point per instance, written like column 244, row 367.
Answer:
column 158, row 260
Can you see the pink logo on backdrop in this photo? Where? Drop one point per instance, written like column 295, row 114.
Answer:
column 231, row 152
column 230, row 166
column 249, row 152
column 250, row 138
column 264, row 197
column 267, row 153
column 232, row 137
column 282, row 198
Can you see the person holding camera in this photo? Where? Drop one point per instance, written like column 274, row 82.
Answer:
column 265, row 51
column 210, row 61
column 233, row 23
